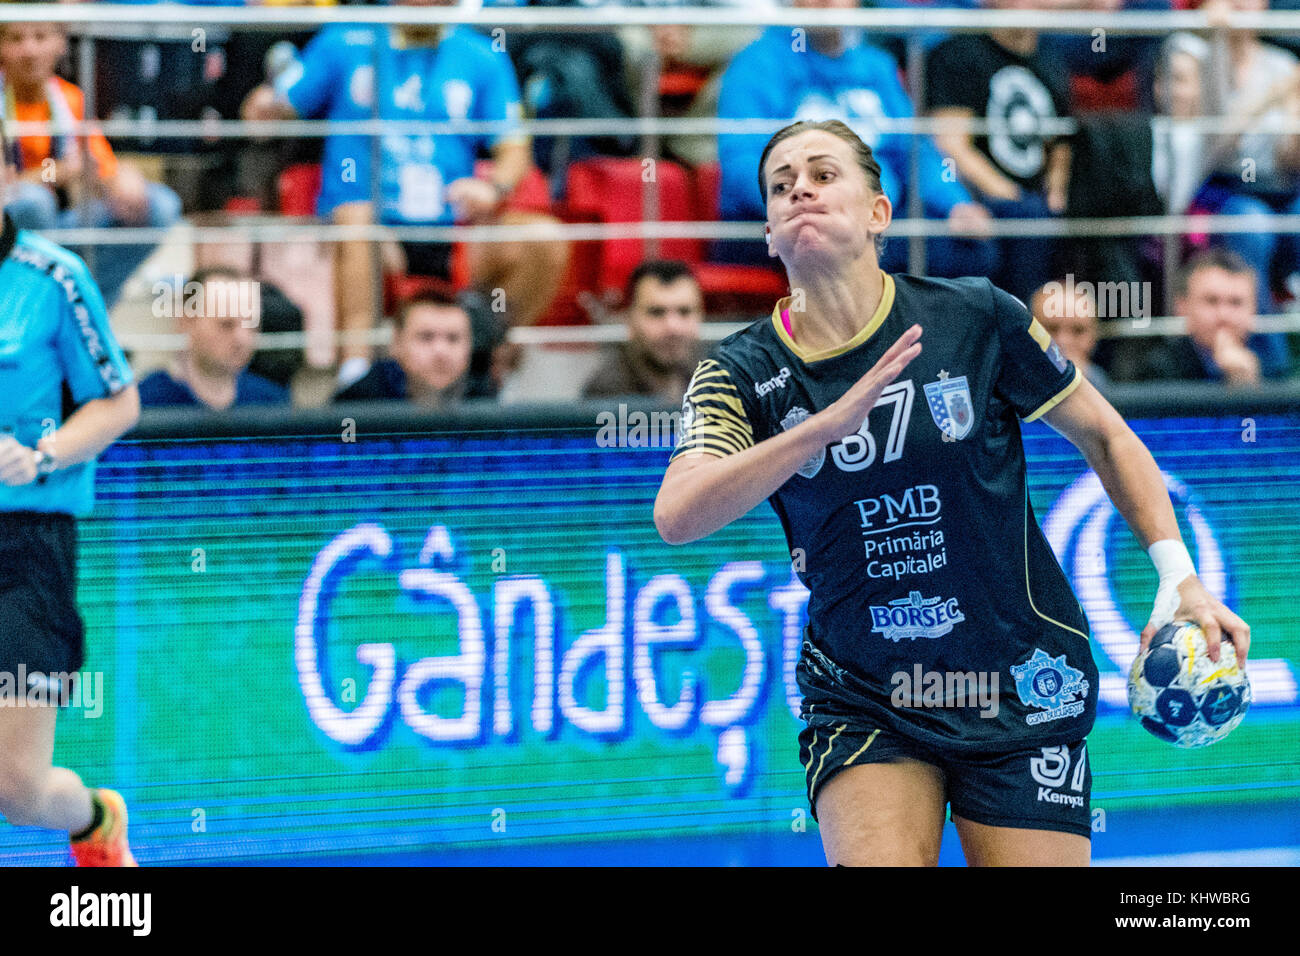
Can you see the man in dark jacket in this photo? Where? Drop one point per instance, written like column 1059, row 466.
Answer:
column 432, row 357
column 1215, row 291
column 665, row 307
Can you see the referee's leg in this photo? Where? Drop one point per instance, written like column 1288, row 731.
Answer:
column 33, row 792
column 883, row 814
column 986, row 845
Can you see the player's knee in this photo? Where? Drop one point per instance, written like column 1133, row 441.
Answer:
column 20, row 795
column 886, row 852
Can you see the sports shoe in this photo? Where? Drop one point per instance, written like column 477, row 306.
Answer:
column 106, row 845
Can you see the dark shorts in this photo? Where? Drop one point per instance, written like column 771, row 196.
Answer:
column 429, row 259
column 1033, row 788
column 41, row 632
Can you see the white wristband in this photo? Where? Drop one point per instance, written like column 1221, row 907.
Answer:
column 1172, row 561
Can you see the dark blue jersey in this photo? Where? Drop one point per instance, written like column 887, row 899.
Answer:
column 915, row 535
column 159, row 389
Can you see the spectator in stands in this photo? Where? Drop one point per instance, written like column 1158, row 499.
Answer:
column 429, row 73
column 664, row 311
column 279, row 315
column 1069, row 314
column 1179, row 150
column 691, row 61
column 1107, row 57
column 1215, row 292
column 430, row 356
column 64, row 179
column 826, row 73
column 219, row 312
column 1255, row 170
column 1014, row 172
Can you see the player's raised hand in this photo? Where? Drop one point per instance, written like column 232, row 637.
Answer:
column 1198, row 605
column 846, row 415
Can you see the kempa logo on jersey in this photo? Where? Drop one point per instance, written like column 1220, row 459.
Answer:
column 1051, row 769
column 776, row 381
column 916, row 616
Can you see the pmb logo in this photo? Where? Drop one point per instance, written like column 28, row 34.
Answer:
column 918, row 505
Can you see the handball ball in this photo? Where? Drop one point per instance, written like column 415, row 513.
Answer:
column 1183, row 697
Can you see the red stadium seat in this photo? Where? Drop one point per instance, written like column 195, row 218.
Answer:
column 730, row 288
column 298, row 186
column 708, row 186
column 683, row 82
column 533, row 194
column 1088, row 95
column 612, row 191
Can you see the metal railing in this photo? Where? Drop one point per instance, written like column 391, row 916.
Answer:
column 105, row 21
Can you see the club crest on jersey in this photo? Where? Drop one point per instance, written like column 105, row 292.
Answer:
column 915, row 616
column 814, row 464
column 1050, row 683
column 950, row 405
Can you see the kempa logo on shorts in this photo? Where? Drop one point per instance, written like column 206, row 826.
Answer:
column 915, row 616
column 1051, row 769
column 776, row 381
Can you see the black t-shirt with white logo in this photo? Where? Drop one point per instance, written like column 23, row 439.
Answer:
column 974, row 73
column 915, row 535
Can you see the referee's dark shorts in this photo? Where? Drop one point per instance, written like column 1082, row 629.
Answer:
column 41, row 631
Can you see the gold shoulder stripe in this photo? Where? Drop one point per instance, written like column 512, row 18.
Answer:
column 1059, row 397
column 1040, row 335
column 712, row 401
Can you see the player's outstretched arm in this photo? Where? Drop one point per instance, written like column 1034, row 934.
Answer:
column 702, row 493
column 1132, row 479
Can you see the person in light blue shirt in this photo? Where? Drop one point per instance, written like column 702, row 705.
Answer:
column 816, row 74
column 461, row 78
column 66, row 393
column 418, row 73
column 55, row 344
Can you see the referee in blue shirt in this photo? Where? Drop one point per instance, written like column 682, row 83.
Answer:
column 57, row 356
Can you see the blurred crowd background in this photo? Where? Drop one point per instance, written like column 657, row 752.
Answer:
column 1065, row 127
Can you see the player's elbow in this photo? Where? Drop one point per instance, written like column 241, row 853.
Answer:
column 669, row 523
